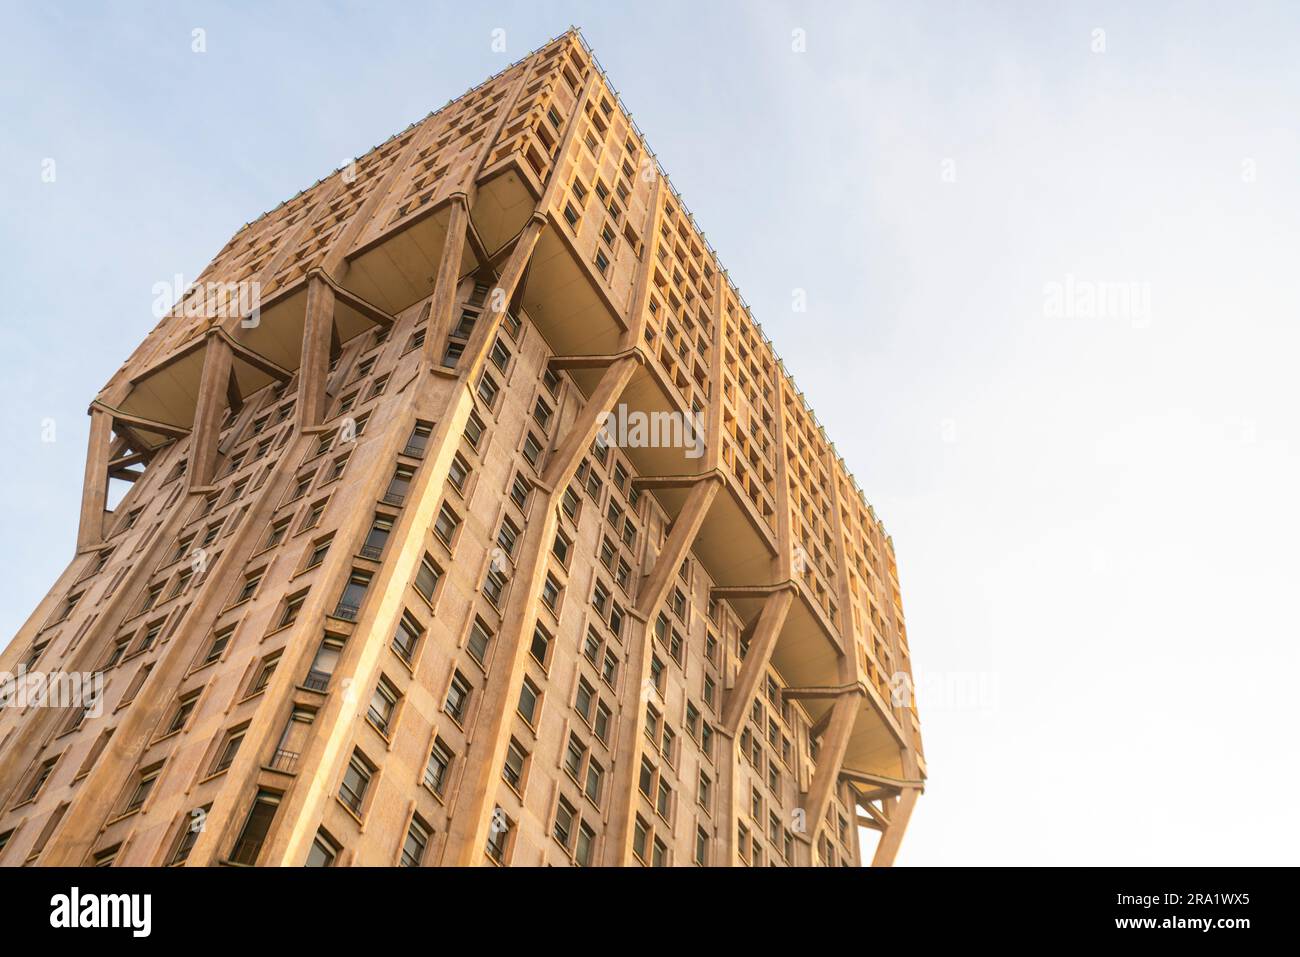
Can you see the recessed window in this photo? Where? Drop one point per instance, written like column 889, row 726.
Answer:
column 513, row 770
column 417, row 840
column 219, row 642
column 445, row 526
column 356, row 781
column 458, row 696
column 407, row 637
column 529, row 698
column 383, row 705
column 439, row 767
column 426, row 579
column 480, row 639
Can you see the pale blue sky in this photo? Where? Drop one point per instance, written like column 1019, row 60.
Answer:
column 1095, row 518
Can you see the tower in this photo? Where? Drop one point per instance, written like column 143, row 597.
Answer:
column 471, row 519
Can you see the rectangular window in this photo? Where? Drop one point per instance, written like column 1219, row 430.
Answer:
column 407, row 637
column 258, row 823
column 426, row 579
column 439, row 766
column 417, row 839
column 356, row 781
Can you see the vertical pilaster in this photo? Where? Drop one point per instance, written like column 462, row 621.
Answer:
column 448, row 276
column 313, row 370
column 94, row 491
column 208, row 413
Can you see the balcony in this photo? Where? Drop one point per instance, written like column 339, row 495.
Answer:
column 394, row 498
column 316, row 681
column 347, row 611
column 246, row 852
column 285, row 761
column 372, row 551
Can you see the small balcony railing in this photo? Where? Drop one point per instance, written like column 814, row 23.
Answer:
column 414, row 451
column 316, row 680
column 347, row 611
column 284, row 760
column 372, row 551
column 246, row 851
column 394, row 498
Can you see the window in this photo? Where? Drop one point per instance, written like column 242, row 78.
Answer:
column 542, row 413
column 500, row 355
column 354, row 594
column 264, row 672
column 399, row 485
column 324, row 852
column 529, row 698
column 407, row 636
column 143, row 787
column 519, row 490
column 417, row 839
column 570, row 504
column 458, row 697
column 513, row 770
column 640, row 837
column 586, row 844
column 550, row 592
column 701, row 847
column 480, row 637
column 114, row 654
column 383, row 706
column 494, row 585
column 488, row 390
column 474, row 429
column 184, row 708
column 498, row 836
column 318, row 552
column 419, row 440
column 595, row 781
column 277, row 533
column 426, row 579
column 322, row 667
column 508, row 536
column 229, row 748
column 660, row 854
column 560, row 548
column 646, row 780
column 191, row 828
column 563, row 828
column 439, row 766
column 445, row 526
column 292, row 606
column 356, row 780
column 582, row 702
column 250, row 587
column 468, row 317
column 38, row 779
column 541, row 645
column 532, row 449
column 219, row 643
column 256, row 826
column 458, row 472
column 377, row 537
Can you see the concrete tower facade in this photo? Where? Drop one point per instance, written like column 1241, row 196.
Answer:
column 471, row 519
